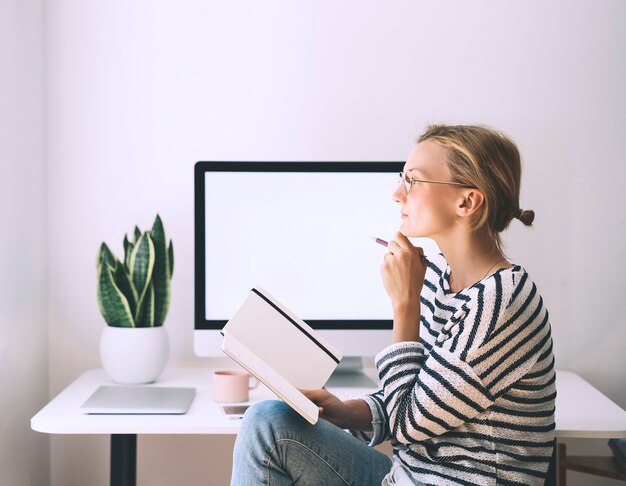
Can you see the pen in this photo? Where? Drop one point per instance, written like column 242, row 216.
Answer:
column 380, row 241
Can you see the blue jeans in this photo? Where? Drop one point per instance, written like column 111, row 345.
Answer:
column 276, row 446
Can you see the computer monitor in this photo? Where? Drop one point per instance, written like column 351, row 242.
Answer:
column 302, row 231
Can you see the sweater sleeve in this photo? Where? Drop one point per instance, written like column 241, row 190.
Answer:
column 484, row 348
column 378, row 409
column 428, row 399
column 380, row 421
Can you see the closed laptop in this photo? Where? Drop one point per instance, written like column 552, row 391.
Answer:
column 109, row 399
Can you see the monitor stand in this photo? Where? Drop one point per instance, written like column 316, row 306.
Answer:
column 350, row 374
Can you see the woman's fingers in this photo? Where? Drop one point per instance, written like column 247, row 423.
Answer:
column 393, row 247
column 403, row 244
column 318, row 396
column 402, row 241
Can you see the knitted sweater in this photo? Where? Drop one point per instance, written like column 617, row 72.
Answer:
column 471, row 403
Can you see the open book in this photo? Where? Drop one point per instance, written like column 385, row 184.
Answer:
column 280, row 349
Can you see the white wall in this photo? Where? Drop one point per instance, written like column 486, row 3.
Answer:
column 137, row 92
column 24, row 454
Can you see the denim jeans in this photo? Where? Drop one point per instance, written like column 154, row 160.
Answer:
column 276, row 446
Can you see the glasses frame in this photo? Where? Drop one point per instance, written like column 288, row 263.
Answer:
column 408, row 182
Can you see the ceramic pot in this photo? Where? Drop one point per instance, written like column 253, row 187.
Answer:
column 134, row 355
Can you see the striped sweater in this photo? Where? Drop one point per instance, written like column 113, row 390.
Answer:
column 471, row 403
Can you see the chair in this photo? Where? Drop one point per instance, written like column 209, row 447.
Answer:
column 552, row 467
column 603, row 466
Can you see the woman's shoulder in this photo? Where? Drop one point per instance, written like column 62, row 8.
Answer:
column 509, row 284
column 436, row 268
column 437, row 263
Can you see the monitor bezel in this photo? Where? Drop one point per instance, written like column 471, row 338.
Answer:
column 201, row 167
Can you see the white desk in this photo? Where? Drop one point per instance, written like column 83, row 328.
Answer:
column 63, row 415
column 581, row 412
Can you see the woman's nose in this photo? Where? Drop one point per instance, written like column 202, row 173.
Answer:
column 399, row 195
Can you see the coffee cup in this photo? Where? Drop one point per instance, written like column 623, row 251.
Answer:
column 233, row 386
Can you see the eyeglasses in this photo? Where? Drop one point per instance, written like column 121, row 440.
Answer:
column 408, row 182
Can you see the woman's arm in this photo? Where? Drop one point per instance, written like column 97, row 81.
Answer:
column 487, row 348
column 426, row 397
column 402, row 271
column 404, row 323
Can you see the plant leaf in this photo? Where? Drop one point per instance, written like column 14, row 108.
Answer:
column 141, row 266
column 111, row 301
column 123, row 282
column 128, row 248
column 137, row 234
column 127, row 257
column 170, row 255
column 106, row 256
column 145, row 313
column 160, row 275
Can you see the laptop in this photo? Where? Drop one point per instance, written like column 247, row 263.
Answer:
column 140, row 400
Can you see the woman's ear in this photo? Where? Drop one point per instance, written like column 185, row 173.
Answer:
column 471, row 203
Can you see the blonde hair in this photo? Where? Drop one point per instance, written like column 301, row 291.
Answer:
column 488, row 160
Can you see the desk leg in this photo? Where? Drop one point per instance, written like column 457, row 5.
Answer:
column 123, row 459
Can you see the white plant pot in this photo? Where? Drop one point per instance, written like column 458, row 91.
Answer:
column 134, row 355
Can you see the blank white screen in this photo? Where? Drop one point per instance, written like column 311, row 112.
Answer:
column 304, row 237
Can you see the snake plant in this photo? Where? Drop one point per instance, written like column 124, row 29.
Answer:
column 136, row 292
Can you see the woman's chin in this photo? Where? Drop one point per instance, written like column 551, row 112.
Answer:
column 407, row 232
column 411, row 232
column 405, row 228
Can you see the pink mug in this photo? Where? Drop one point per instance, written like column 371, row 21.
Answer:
column 233, row 386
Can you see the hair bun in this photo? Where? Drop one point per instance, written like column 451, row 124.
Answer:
column 526, row 216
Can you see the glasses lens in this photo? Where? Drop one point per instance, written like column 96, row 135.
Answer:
column 404, row 180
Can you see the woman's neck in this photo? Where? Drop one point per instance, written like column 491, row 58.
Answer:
column 471, row 259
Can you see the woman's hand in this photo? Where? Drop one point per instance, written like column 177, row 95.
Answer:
column 351, row 414
column 403, row 271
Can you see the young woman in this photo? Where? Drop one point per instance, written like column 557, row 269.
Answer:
column 468, row 382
